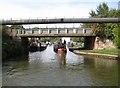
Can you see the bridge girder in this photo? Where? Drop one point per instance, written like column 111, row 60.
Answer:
column 60, row 20
column 54, row 35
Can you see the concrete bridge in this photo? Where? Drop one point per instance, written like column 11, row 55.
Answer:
column 24, row 34
column 89, row 39
column 51, row 32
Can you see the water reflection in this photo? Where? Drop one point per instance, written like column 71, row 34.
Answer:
column 15, row 67
column 62, row 59
column 102, row 71
column 63, row 69
column 99, row 62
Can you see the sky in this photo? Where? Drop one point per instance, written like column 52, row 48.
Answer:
column 25, row 9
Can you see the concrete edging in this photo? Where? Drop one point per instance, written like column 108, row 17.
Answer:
column 115, row 57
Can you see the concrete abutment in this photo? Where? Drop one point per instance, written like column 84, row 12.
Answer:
column 25, row 44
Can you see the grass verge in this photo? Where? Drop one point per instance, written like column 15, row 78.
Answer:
column 105, row 51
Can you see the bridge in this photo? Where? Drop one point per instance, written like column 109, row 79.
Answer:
column 89, row 39
column 59, row 20
column 24, row 34
column 51, row 32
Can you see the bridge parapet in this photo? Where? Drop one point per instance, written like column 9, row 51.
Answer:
column 54, row 31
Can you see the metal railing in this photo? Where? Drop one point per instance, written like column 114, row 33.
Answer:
column 54, row 31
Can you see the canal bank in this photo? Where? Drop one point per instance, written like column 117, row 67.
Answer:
column 106, row 56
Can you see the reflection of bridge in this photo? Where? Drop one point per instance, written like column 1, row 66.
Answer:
column 53, row 32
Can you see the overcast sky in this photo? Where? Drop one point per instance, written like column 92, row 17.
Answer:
column 17, row 9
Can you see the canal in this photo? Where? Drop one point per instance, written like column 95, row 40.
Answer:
column 45, row 69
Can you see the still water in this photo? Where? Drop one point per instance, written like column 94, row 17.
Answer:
column 47, row 69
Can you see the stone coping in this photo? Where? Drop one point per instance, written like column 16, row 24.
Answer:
column 115, row 57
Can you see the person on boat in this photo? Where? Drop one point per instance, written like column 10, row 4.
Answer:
column 62, row 47
column 64, row 42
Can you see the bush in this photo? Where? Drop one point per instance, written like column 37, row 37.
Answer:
column 116, row 37
column 10, row 49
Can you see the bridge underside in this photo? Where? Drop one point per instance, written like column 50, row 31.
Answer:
column 53, row 35
column 88, row 41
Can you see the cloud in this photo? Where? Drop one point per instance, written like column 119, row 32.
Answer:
column 13, row 11
column 9, row 10
column 44, row 8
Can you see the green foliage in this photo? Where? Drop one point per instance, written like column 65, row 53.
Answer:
column 92, row 13
column 50, row 39
column 102, row 10
column 104, row 51
column 105, row 30
column 76, row 39
column 16, row 26
column 57, row 39
column 44, row 40
column 116, row 34
column 10, row 48
column 4, row 32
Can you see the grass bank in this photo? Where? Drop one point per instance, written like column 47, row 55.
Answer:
column 105, row 51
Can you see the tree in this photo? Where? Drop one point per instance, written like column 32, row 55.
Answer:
column 105, row 30
column 10, row 47
column 16, row 27
column 5, row 32
column 116, row 34
column 92, row 13
column 102, row 10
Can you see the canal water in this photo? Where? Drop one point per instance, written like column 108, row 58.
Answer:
column 46, row 69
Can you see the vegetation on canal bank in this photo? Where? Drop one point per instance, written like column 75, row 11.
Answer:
column 10, row 48
column 50, row 39
column 105, row 51
column 105, row 30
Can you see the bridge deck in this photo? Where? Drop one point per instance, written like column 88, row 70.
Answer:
column 53, row 35
column 52, row 32
column 60, row 20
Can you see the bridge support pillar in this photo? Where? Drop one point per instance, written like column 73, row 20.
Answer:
column 84, row 31
column 66, row 31
column 57, row 31
column 74, row 30
column 89, row 42
column 39, row 31
column 48, row 31
column 24, row 42
column 13, row 33
column 23, row 31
